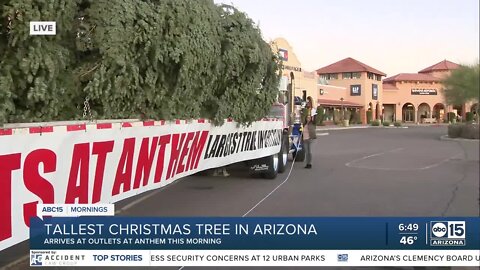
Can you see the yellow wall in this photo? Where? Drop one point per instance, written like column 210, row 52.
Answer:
column 366, row 93
column 366, row 88
column 403, row 96
column 303, row 81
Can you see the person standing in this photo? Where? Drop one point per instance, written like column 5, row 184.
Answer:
column 309, row 132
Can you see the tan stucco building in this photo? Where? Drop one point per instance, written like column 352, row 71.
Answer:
column 418, row 97
column 361, row 84
column 304, row 82
column 407, row 97
column 352, row 86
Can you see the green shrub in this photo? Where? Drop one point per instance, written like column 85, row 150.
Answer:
column 369, row 117
column 397, row 124
column 375, row 123
column 386, row 124
column 356, row 118
column 337, row 116
column 454, row 130
column 451, row 116
column 469, row 131
column 469, row 117
column 320, row 117
column 347, row 115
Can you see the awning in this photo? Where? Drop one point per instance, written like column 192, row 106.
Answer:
column 338, row 103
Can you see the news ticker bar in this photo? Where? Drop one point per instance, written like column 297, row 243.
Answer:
column 371, row 258
column 256, row 233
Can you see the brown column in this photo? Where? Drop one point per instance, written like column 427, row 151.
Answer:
column 363, row 115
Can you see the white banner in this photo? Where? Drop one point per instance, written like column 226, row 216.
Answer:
column 108, row 162
column 297, row 258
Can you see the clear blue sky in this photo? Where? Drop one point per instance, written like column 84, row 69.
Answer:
column 394, row 36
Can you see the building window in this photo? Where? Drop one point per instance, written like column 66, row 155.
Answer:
column 329, row 76
column 355, row 90
column 370, row 75
column 351, row 75
column 378, row 77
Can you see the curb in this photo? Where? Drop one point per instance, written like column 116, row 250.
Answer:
column 446, row 138
column 342, row 128
column 396, row 127
column 360, row 127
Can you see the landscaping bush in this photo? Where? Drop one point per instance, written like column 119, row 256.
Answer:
column 356, row 118
column 451, row 116
column 347, row 115
column 386, row 124
column 397, row 124
column 469, row 117
column 375, row 123
column 454, row 130
column 337, row 116
column 469, row 131
column 320, row 117
column 369, row 117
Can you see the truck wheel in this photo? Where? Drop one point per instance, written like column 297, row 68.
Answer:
column 272, row 163
column 283, row 155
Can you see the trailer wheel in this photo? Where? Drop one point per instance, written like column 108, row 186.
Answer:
column 283, row 155
column 299, row 155
column 272, row 163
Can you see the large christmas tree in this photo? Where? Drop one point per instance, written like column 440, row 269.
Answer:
column 159, row 59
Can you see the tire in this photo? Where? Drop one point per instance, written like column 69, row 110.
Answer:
column 272, row 163
column 300, row 154
column 283, row 154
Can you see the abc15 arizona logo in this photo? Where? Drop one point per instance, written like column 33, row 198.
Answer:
column 447, row 233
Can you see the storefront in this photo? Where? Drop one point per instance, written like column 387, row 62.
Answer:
column 418, row 97
column 336, row 108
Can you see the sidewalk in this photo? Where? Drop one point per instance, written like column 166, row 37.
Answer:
column 334, row 127
column 404, row 125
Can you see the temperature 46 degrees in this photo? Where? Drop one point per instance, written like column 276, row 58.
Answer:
column 408, row 240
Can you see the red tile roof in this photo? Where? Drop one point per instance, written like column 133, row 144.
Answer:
column 412, row 77
column 444, row 65
column 331, row 102
column 348, row 65
column 389, row 86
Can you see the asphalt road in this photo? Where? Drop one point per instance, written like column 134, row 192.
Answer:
column 358, row 172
